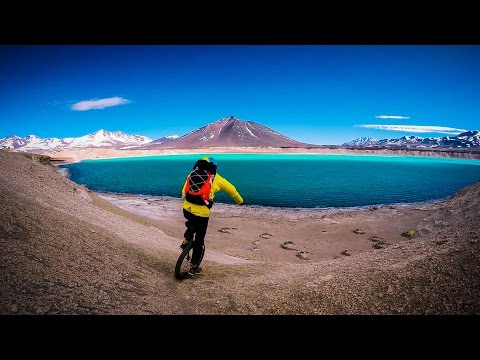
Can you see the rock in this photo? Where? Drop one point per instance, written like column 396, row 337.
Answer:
column 345, row 252
column 14, row 308
column 377, row 246
column 374, row 208
column 266, row 236
column 408, row 233
column 440, row 242
column 376, row 239
column 42, row 159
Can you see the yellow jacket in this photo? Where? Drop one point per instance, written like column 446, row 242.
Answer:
column 219, row 183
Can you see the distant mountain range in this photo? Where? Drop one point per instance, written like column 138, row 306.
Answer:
column 465, row 140
column 226, row 132
column 99, row 139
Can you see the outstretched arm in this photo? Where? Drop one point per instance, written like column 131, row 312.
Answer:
column 226, row 186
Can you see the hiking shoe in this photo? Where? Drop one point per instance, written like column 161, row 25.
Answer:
column 194, row 270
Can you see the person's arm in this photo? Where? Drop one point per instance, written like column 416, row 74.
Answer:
column 226, row 186
column 183, row 189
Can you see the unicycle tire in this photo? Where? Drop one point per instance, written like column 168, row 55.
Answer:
column 183, row 263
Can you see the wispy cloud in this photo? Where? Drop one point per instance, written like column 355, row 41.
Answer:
column 415, row 128
column 397, row 117
column 95, row 104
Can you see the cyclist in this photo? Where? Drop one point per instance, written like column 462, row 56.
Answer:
column 197, row 211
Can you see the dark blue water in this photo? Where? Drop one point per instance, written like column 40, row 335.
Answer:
column 289, row 180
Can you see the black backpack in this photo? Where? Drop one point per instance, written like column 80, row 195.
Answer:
column 199, row 183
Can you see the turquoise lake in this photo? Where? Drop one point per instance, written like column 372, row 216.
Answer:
column 292, row 180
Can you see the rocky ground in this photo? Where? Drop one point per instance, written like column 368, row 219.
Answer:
column 65, row 250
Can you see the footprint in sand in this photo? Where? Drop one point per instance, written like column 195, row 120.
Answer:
column 225, row 230
column 257, row 242
column 358, row 231
column 304, row 255
column 378, row 242
column 256, row 245
column 288, row 245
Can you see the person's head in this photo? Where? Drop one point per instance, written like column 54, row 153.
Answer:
column 212, row 161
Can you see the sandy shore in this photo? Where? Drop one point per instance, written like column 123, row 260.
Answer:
column 66, row 250
column 258, row 233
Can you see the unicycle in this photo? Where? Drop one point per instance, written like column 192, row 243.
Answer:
column 183, row 263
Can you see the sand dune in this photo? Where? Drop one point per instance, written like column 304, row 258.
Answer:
column 66, row 250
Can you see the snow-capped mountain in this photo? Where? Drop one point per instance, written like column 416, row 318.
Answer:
column 32, row 142
column 164, row 139
column 468, row 139
column 229, row 132
column 12, row 142
column 99, row 139
column 103, row 138
column 361, row 141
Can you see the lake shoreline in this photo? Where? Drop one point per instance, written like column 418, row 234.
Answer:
column 320, row 181
column 104, row 153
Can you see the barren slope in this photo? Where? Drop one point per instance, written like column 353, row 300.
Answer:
column 62, row 252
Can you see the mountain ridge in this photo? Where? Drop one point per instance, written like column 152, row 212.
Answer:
column 99, row 139
column 467, row 139
column 228, row 132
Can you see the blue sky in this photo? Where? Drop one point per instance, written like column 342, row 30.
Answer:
column 320, row 94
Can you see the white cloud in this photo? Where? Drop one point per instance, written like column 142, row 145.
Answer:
column 99, row 104
column 415, row 128
column 397, row 117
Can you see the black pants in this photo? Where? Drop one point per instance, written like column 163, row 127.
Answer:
column 196, row 225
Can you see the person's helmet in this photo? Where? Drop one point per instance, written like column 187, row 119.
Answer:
column 213, row 161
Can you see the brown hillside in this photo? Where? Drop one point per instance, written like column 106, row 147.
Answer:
column 64, row 250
